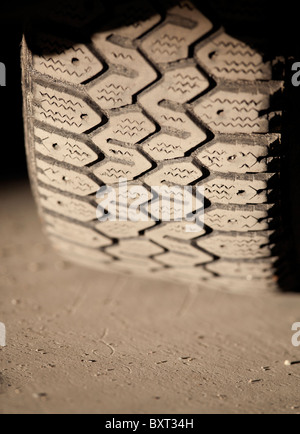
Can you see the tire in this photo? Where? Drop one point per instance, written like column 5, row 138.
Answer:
column 164, row 97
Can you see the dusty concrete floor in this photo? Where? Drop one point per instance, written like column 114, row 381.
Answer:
column 84, row 342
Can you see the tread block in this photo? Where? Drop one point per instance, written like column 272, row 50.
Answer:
column 159, row 102
column 129, row 74
column 239, row 155
column 183, row 84
column 127, row 127
column 136, row 248
column 112, row 172
column 164, row 147
column 238, row 218
column 230, row 59
column 237, row 246
column 64, row 149
column 67, row 206
column 121, row 230
column 126, row 203
column 183, row 248
column 228, row 111
column 65, row 179
column 65, row 60
column 236, row 190
column 113, row 91
column 63, row 110
column 168, row 205
column 176, row 173
column 181, row 261
column 169, row 43
column 172, row 230
column 76, row 233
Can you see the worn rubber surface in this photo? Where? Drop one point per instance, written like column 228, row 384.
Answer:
column 160, row 96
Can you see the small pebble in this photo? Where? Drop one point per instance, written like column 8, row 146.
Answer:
column 287, row 363
column 41, row 351
column 42, row 396
column 15, row 302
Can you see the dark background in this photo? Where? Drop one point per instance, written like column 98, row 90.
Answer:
column 13, row 164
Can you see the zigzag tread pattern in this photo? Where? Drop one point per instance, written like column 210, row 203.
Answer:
column 239, row 246
column 63, row 149
column 237, row 219
column 228, row 112
column 230, row 59
column 65, row 179
column 66, row 206
column 72, row 232
column 156, row 116
column 63, row 111
column 241, row 156
column 65, row 60
column 236, row 191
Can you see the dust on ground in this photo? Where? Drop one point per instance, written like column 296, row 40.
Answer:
column 81, row 341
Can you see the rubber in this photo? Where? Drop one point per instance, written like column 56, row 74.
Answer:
column 163, row 96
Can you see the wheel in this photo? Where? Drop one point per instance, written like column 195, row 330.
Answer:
column 162, row 96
